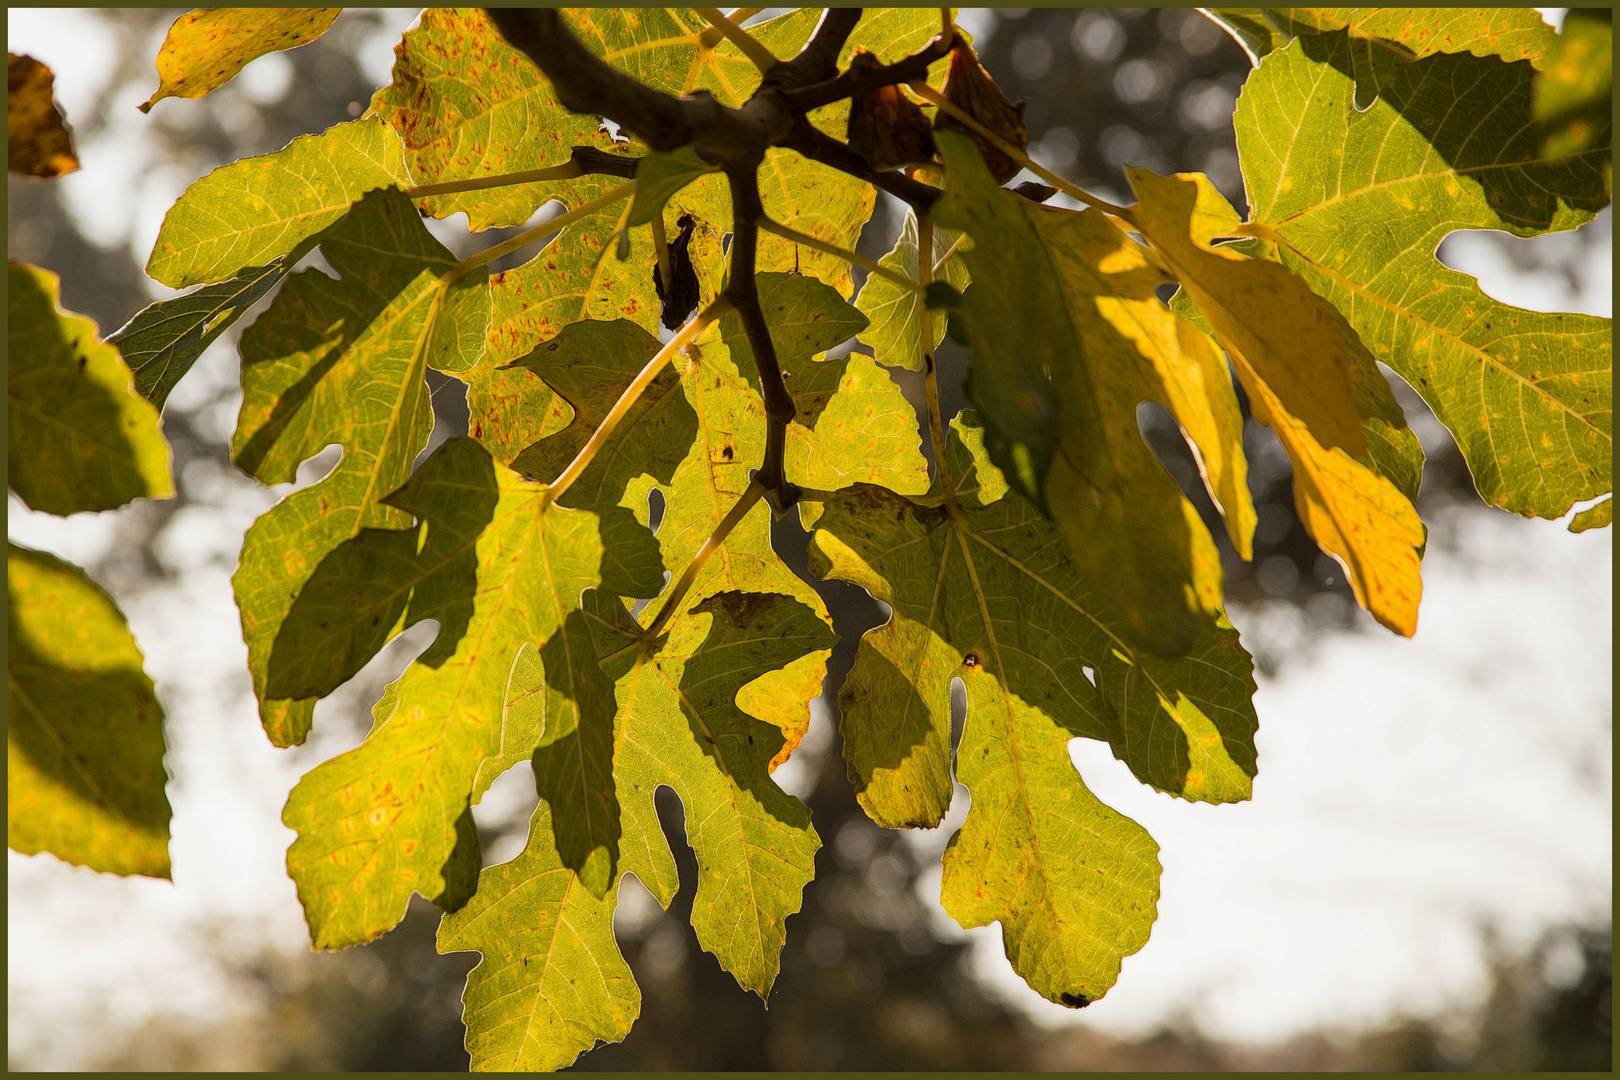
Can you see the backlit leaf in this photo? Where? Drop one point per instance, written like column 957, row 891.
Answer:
column 246, row 213
column 1382, row 40
column 79, row 438
column 497, row 568
column 552, row 981
column 1573, row 97
column 698, row 436
column 679, row 724
column 38, row 142
column 341, row 362
column 84, row 732
column 1358, row 208
column 1595, row 518
column 895, row 333
column 1251, row 28
column 988, row 593
column 658, row 176
column 163, row 340
column 1069, row 338
column 206, row 48
column 1302, row 367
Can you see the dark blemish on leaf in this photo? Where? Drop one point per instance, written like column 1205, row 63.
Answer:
column 971, row 660
column 726, row 452
column 742, row 608
column 83, row 361
column 1074, row 1001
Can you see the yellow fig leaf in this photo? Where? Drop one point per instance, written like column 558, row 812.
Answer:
column 206, row 48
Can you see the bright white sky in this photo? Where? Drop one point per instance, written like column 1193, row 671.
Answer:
column 1410, row 792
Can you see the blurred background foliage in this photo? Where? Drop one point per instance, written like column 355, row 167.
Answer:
column 870, row 979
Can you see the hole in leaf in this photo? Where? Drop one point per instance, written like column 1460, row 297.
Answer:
column 958, row 712
column 656, row 504
column 502, row 815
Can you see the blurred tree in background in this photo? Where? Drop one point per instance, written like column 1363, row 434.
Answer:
column 866, row 981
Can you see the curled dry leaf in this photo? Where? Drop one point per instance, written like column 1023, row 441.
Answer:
column 970, row 88
column 885, row 127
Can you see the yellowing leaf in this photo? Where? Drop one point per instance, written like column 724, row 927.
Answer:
column 1355, row 514
column 341, row 362
column 498, row 568
column 84, row 732
column 248, row 212
column 895, row 334
column 1357, row 203
column 1594, row 518
column 1382, row 40
column 1301, row 365
column 679, row 725
column 207, row 47
column 552, row 981
column 38, row 142
column 989, row 594
column 79, row 437
column 466, row 105
column 1069, row 339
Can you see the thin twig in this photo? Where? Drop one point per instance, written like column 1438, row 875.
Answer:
column 818, row 60
column 928, row 93
column 816, row 145
column 693, row 568
column 836, row 86
column 750, row 46
column 561, row 221
column 566, row 171
column 604, row 430
column 862, row 261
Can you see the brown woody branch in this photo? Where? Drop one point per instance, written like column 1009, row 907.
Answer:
column 735, row 139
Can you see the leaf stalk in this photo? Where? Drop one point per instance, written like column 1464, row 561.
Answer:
column 862, row 261
column 710, row 546
column 934, row 97
column 750, row 46
column 925, row 320
column 556, row 224
column 643, row 379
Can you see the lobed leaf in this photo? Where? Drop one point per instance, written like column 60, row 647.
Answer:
column 552, row 981
column 246, row 213
column 80, row 438
column 699, row 429
column 206, row 48
column 894, row 311
column 679, row 725
column 1069, row 338
column 1358, row 207
column 498, row 568
column 988, row 593
column 1302, row 367
column 84, row 741
column 340, row 362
